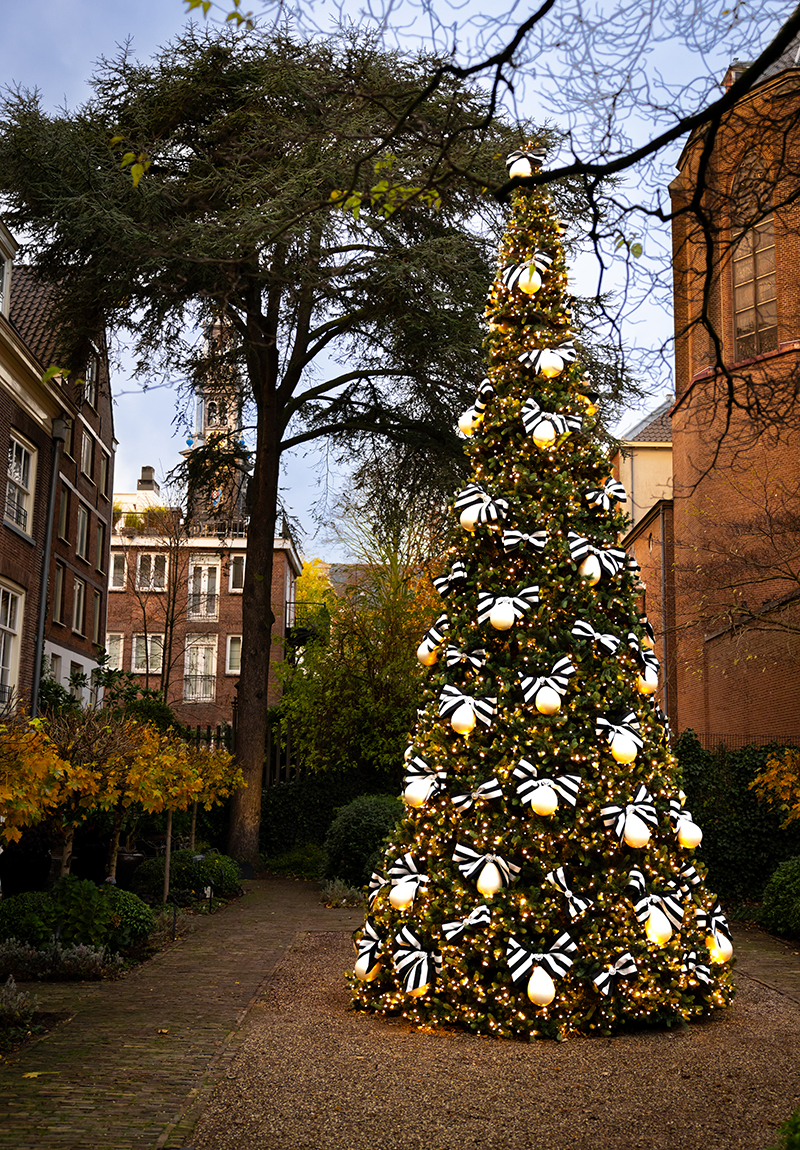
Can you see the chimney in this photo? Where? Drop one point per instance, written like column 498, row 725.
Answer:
column 148, row 481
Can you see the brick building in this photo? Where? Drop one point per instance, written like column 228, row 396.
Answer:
column 56, row 526
column 719, row 558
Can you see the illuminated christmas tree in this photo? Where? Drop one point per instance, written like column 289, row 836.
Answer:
column 542, row 882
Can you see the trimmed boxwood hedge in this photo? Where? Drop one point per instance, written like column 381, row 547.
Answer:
column 780, row 911
column 190, row 875
column 353, row 843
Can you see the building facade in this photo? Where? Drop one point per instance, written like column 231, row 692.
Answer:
column 56, row 526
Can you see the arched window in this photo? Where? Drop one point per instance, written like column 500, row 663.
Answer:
column 755, row 304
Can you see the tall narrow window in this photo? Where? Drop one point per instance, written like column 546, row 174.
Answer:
column 78, row 605
column 10, row 626
column 114, row 643
column 100, row 547
column 58, row 594
column 87, row 454
column 151, row 572
column 118, row 572
column 63, row 515
column 20, row 484
column 200, row 669
column 236, row 574
column 82, row 536
column 755, row 303
column 104, row 469
column 147, row 654
column 97, row 616
column 203, row 588
column 233, row 662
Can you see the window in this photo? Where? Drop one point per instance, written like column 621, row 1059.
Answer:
column 119, row 572
column 100, row 547
column 82, row 537
column 148, row 654
column 55, row 668
column 87, row 451
column 104, row 472
column 236, row 574
column 76, row 679
column 97, row 616
column 203, row 588
column 199, row 683
column 78, row 605
column 20, row 484
column 114, row 646
column 11, row 603
column 233, row 659
column 69, row 442
column 58, row 594
column 755, row 304
column 90, row 381
column 151, row 572
column 63, row 515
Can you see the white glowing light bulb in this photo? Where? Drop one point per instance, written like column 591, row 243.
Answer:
column 541, row 988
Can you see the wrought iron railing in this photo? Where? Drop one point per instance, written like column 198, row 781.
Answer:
column 199, row 688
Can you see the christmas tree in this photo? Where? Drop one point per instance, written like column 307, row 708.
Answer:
column 542, row 883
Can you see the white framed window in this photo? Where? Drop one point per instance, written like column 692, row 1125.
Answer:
column 119, row 572
column 55, row 668
column 11, row 609
column 20, row 484
column 203, row 600
column 63, row 515
column 236, row 574
column 87, row 453
column 82, row 535
column 290, row 591
column 200, row 669
column 151, row 571
column 233, row 655
column 58, row 594
column 147, row 655
column 104, row 473
column 97, row 616
column 90, row 381
column 78, row 605
column 76, row 683
column 114, row 647
column 100, row 547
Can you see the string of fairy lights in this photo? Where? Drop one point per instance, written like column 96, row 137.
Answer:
column 542, row 882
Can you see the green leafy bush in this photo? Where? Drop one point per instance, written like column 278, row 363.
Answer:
column 780, row 911
column 55, row 962
column 742, row 837
column 132, row 920
column 353, row 842
column 17, row 1009
column 190, row 875
column 83, row 913
column 789, row 1134
column 29, row 917
column 305, row 861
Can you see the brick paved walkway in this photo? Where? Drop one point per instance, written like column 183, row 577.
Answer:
column 131, row 1067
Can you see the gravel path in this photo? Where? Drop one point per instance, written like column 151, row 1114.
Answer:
column 309, row 1072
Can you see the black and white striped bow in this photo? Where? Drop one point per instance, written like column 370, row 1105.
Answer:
column 624, row 967
column 612, row 491
column 648, row 630
column 480, row 916
column 417, row 769
column 644, row 655
column 678, row 814
column 565, row 351
column 491, row 789
column 584, row 630
column 529, row 782
column 434, row 636
column 370, row 945
column 556, row 961
column 557, row 680
column 534, row 157
column 519, row 603
column 451, row 698
column 576, row 904
column 377, row 882
column 642, row 805
column 661, row 718
column 510, row 276
column 489, row 510
column 611, row 559
column 469, row 862
column 473, row 416
column 532, row 415
column 454, row 657
column 694, row 969
column 456, row 577
column 406, row 870
column 668, row 901
column 513, row 540
column 714, row 921
column 690, row 878
column 417, row 966
column 628, row 727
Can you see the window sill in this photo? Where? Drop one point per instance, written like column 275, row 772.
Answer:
column 18, row 531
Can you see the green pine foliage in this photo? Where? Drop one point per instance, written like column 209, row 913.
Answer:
column 482, row 907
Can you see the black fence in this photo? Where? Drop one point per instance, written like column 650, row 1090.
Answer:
column 280, row 760
column 711, row 742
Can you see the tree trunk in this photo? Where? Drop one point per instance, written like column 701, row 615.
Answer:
column 257, row 620
column 167, row 856
column 66, row 852
column 113, row 849
column 194, row 826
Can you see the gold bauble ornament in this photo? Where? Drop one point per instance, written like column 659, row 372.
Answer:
column 502, row 615
column 463, row 719
column 658, row 928
column 469, row 422
column 547, row 701
column 590, row 570
column 541, row 988
column 418, row 792
column 402, row 895
column 689, row 834
column 530, row 281
column 647, row 682
column 420, row 990
column 426, row 654
column 623, row 748
column 361, row 969
column 544, row 800
column 550, row 364
column 469, row 516
column 544, row 434
column 490, row 880
column 719, row 947
column 636, row 832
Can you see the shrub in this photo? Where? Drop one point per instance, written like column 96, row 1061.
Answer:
column 305, row 861
column 190, row 875
column 55, row 962
column 743, row 840
column 789, row 1133
column 780, row 911
column 353, row 842
column 29, row 917
column 16, row 1007
column 83, row 913
column 132, row 920
column 337, row 893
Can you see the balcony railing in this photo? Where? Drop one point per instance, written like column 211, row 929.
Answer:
column 15, row 512
column 219, row 529
column 202, row 605
column 199, row 688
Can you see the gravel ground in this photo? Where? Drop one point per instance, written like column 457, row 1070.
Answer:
column 312, row 1073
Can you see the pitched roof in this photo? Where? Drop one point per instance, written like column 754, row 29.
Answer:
column 31, row 313
column 654, row 428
